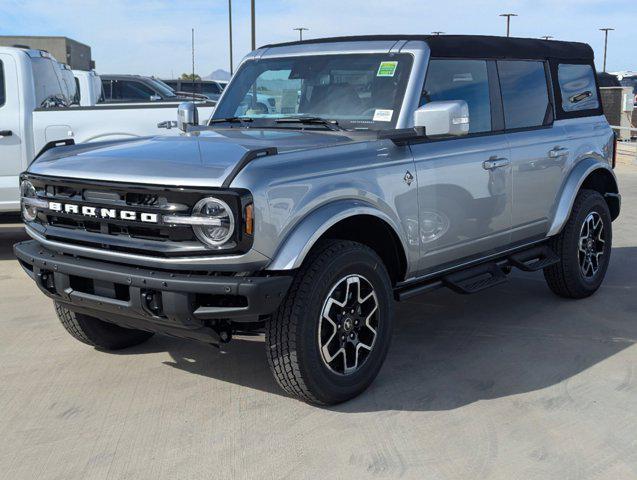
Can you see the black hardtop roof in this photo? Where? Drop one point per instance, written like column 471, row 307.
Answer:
column 476, row 46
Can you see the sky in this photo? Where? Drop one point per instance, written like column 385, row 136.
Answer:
column 153, row 37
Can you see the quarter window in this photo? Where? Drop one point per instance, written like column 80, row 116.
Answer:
column 525, row 95
column 578, row 88
column 461, row 80
column 2, row 94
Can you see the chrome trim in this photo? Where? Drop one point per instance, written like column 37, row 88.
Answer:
column 192, row 220
column 250, row 261
column 35, row 202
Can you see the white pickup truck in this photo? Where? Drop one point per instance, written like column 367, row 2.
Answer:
column 36, row 114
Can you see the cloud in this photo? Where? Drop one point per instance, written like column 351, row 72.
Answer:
column 153, row 37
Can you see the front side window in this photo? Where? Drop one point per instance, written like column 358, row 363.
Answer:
column 360, row 91
column 127, row 90
column 2, row 90
column 578, row 87
column 461, row 80
column 525, row 95
column 211, row 88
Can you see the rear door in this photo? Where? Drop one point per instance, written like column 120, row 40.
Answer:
column 11, row 134
column 539, row 150
column 464, row 183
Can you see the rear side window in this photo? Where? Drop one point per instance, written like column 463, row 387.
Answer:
column 2, row 91
column 525, row 94
column 578, row 88
column 461, row 80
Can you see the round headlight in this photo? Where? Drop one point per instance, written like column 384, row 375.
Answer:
column 217, row 221
column 27, row 190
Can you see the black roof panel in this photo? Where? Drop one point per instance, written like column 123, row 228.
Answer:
column 476, row 46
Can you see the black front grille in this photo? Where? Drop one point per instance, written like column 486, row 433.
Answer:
column 158, row 239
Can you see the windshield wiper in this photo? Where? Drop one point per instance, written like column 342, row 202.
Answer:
column 331, row 124
column 241, row 120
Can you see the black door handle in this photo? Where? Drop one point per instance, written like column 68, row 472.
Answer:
column 5, row 133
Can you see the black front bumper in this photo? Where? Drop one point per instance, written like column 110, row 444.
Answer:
column 179, row 304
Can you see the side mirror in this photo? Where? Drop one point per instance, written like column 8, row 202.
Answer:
column 187, row 115
column 155, row 98
column 449, row 118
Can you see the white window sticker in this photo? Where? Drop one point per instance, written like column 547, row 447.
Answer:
column 383, row 115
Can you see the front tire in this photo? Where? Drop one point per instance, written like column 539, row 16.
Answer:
column 97, row 333
column 328, row 340
column 584, row 247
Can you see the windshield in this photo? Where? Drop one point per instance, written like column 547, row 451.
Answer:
column 162, row 88
column 360, row 91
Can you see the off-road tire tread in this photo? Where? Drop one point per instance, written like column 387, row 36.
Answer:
column 281, row 329
column 72, row 323
column 560, row 279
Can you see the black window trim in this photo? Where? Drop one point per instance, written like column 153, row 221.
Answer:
column 3, row 95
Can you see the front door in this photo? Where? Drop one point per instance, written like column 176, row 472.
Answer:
column 464, row 183
column 11, row 135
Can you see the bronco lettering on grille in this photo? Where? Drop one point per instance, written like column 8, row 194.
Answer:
column 105, row 213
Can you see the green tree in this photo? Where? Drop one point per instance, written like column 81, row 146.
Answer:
column 189, row 76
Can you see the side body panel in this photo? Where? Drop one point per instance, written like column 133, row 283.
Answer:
column 297, row 195
column 465, row 209
column 15, row 148
column 108, row 122
column 540, row 160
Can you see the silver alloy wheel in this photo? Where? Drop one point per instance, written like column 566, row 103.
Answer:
column 591, row 244
column 348, row 325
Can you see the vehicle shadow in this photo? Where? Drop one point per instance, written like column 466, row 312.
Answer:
column 11, row 231
column 450, row 350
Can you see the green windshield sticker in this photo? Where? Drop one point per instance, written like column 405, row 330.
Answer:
column 387, row 69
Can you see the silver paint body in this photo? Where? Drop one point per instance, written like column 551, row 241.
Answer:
column 457, row 208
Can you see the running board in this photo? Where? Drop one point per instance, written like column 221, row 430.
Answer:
column 534, row 259
column 475, row 279
column 482, row 276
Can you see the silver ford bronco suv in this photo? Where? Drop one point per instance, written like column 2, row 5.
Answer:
column 379, row 168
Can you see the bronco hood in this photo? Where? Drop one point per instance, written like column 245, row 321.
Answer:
column 203, row 159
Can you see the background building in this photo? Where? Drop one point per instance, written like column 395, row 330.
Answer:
column 64, row 49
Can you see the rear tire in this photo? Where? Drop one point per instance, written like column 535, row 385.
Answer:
column 584, row 247
column 97, row 333
column 328, row 340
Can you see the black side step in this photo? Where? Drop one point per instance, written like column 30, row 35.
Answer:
column 480, row 277
column 534, row 259
column 475, row 279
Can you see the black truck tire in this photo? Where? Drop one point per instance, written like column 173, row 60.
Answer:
column 340, row 301
column 97, row 333
column 584, row 247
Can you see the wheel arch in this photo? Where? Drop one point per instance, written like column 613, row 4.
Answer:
column 591, row 174
column 345, row 220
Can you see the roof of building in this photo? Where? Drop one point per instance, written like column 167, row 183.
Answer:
column 476, row 46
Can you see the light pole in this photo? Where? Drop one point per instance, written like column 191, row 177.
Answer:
column 547, row 37
column 508, row 17
column 605, row 30
column 254, row 35
column 300, row 29
column 437, row 33
column 230, row 32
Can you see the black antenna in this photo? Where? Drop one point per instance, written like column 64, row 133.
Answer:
column 193, row 65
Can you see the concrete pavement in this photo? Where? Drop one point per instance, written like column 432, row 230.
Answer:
column 512, row 383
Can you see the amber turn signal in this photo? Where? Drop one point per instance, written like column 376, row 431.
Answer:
column 249, row 216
